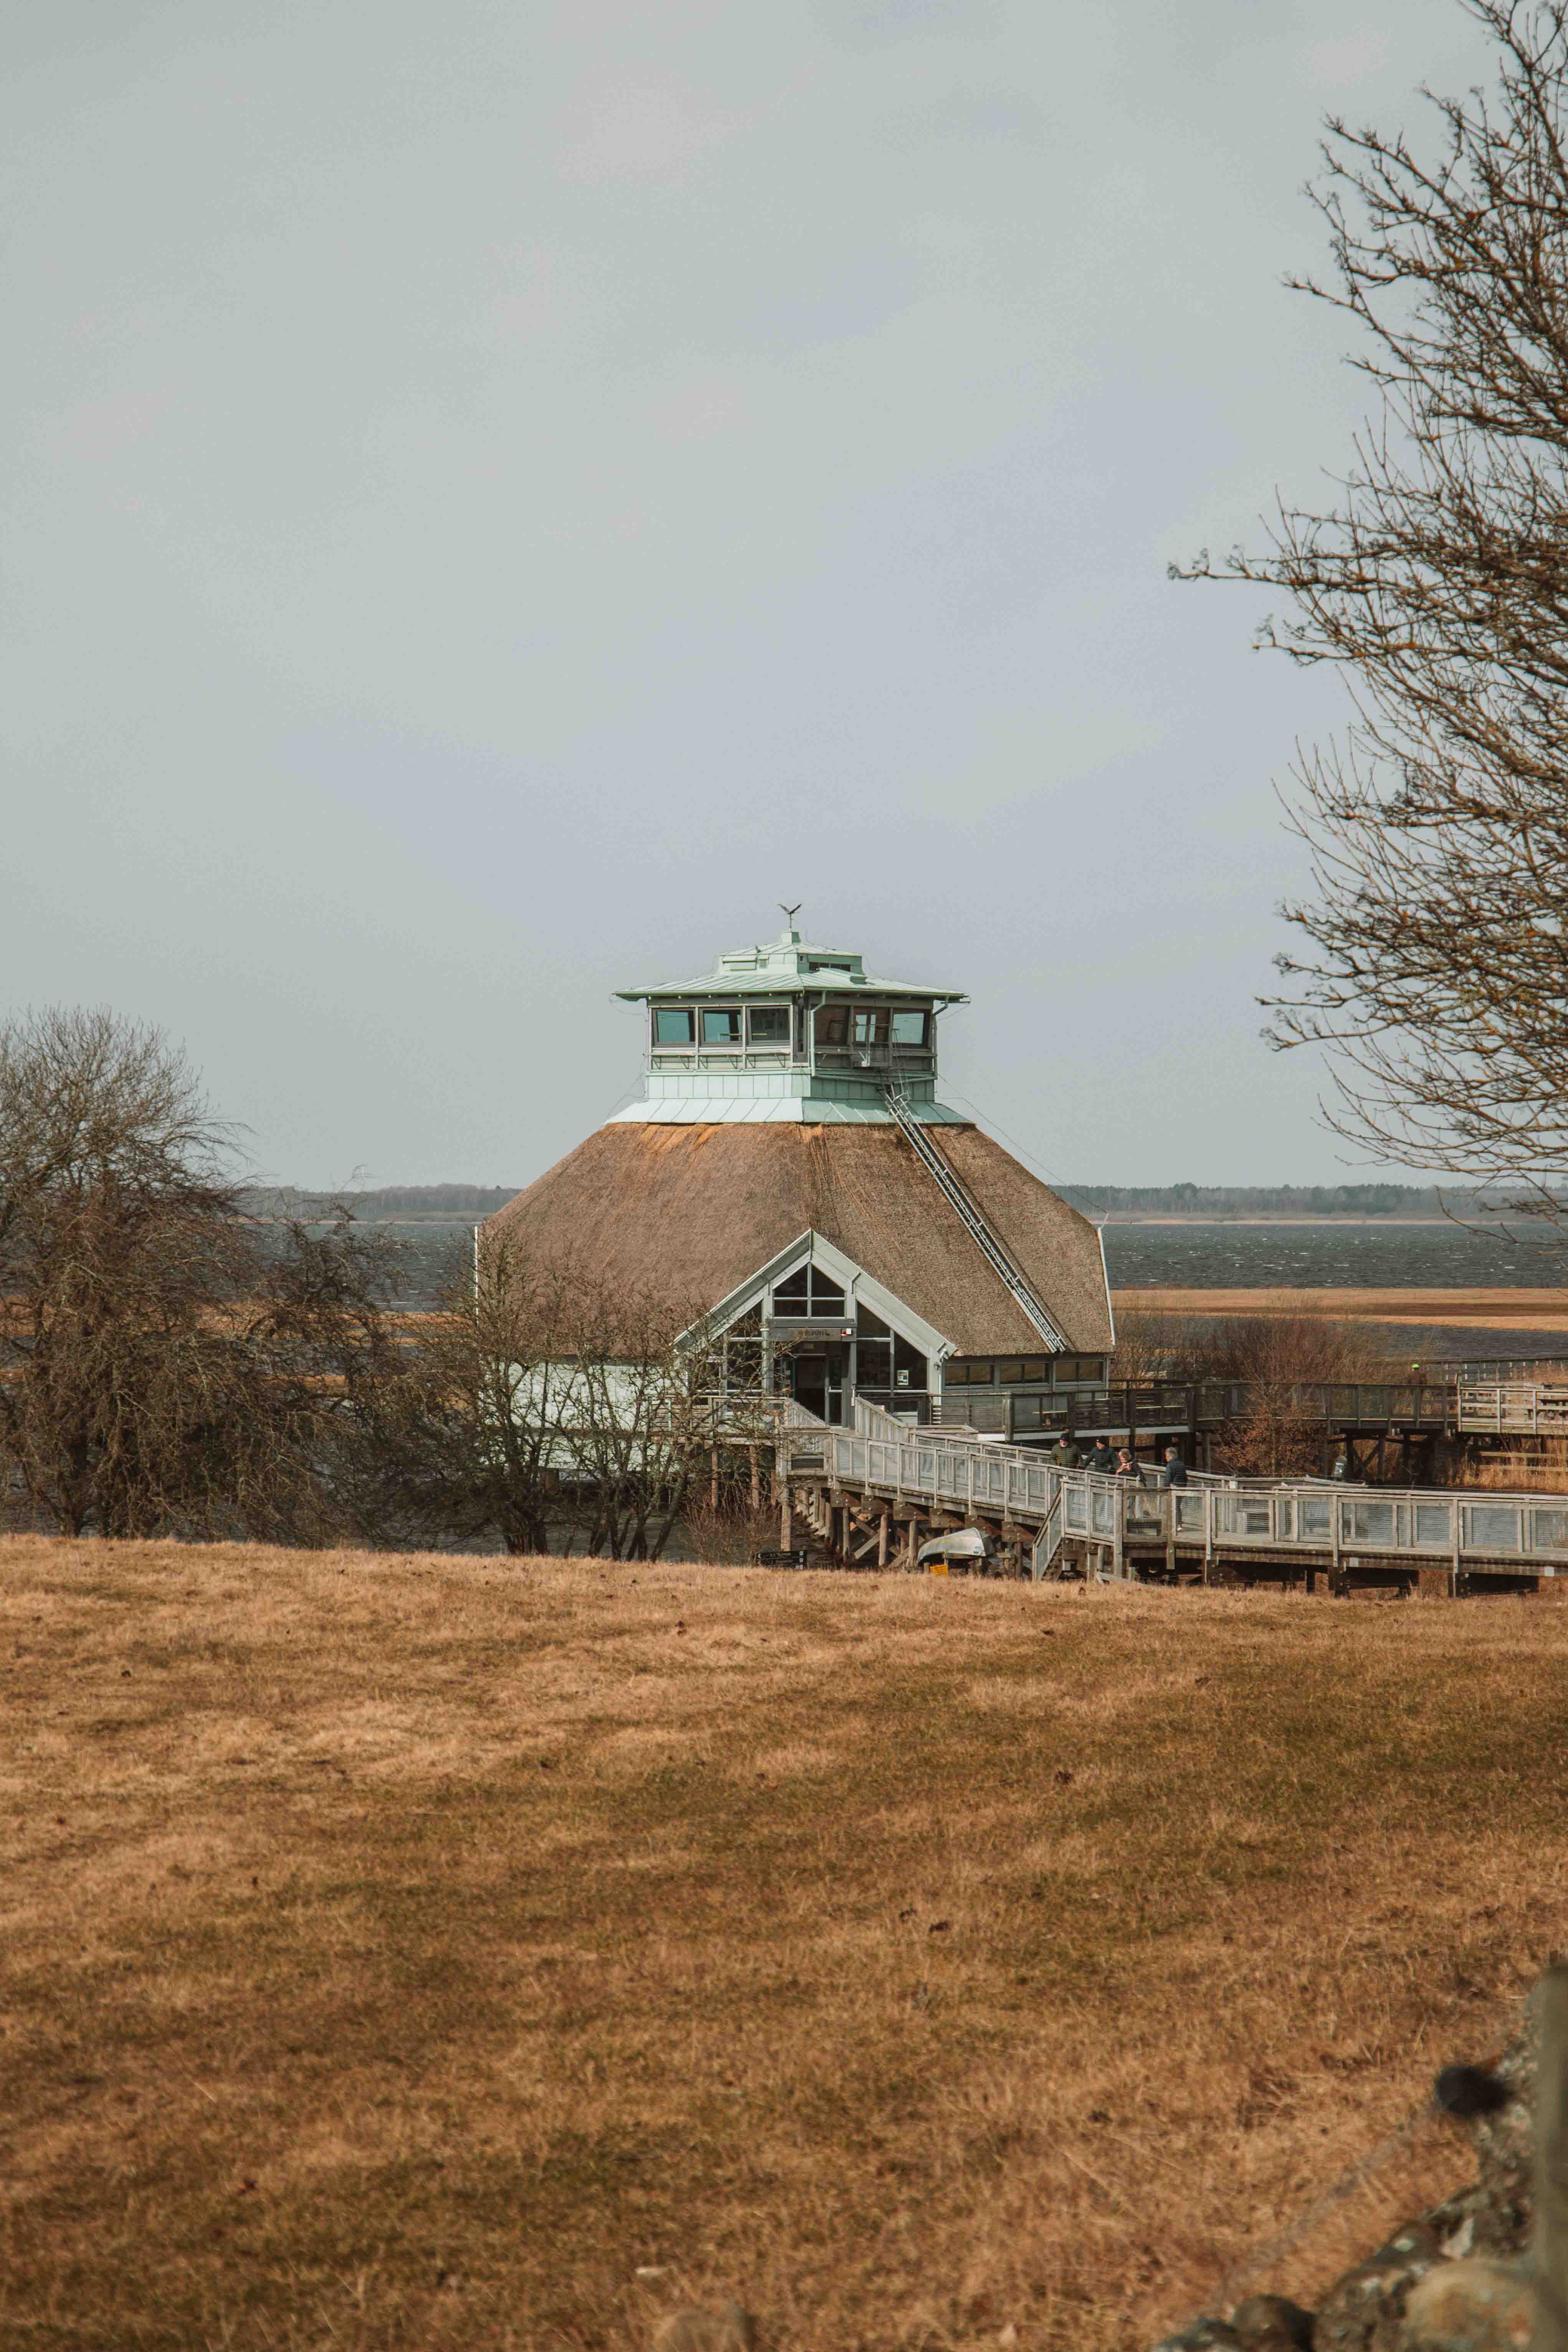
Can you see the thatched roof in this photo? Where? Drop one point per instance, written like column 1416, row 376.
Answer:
column 688, row 1213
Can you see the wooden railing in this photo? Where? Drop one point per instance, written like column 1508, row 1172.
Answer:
column 1495, row 1534
column 1512, row 1408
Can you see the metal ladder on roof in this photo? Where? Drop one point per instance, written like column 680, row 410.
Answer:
column 969, row 1216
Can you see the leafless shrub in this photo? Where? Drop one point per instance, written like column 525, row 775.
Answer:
column 1284, row 1361
column 543, row 1402
column 161, row 1372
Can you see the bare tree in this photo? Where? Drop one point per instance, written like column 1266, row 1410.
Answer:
column 1432, row 962
column 1284, row 1364
column 646, row 1411
column 460, row 1443
column 162, row 1369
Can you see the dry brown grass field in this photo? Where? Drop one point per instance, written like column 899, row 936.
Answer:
column 449, row 1952
column 1544, row 1312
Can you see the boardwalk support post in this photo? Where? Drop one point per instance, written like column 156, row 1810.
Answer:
column 1551, row 2167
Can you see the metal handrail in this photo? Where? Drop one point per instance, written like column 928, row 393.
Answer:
column 956, row 1194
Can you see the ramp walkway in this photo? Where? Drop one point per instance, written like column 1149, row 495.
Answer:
column 1274, row 1528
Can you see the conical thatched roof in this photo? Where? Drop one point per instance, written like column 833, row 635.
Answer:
column 691, row 1211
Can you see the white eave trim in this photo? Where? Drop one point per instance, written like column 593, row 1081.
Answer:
column 858, row 1286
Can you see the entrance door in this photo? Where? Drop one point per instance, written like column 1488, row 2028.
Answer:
column 819, row 1383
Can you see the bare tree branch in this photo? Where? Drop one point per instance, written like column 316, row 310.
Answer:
column 1432, row 955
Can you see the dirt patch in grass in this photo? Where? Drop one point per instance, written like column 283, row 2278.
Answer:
column 407, row 1952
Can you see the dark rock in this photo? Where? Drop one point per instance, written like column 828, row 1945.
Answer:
column 1469, row 2090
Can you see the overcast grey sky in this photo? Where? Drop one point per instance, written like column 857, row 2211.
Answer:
column 500, row 494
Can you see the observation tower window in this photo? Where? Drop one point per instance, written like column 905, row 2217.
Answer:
column 721, row 1025
column 672, row 1024
column 871, row 1025
column 769, row 1024
column 911, row 1028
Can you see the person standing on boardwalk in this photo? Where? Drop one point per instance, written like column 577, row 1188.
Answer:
column 1126, row 1465
column 1174, row 1473
column 1102, row 1459
column 1064, row 1453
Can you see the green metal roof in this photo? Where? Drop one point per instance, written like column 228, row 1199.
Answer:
column 784, row 968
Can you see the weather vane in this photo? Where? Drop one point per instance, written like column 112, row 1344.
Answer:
column 791, row 911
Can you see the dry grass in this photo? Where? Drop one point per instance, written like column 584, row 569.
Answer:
column 403, row 1952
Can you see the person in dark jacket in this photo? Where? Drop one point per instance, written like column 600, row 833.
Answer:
column 1102, row 1459
column 1126, row 1465
column 1174, row 1473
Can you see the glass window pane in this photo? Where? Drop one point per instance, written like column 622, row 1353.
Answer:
column 791, row 1291
column 769, row 1024
column 1367, row 1523
column 910, row 1028
column 826, row 1299
column 1010, row 1372
column 721, row 1025
column 672, row 1024
column 832, row 1024
column 1491, row 1527
column 1548, row 1530
column 1432, row 1524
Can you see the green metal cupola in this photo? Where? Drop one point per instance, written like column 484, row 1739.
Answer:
column 789, row 1031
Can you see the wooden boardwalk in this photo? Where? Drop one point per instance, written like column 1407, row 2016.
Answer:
column 883, row 1488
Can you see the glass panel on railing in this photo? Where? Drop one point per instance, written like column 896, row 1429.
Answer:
column 1548, row 1529
column 1367, row 1523
column 1492, row 1527
column 1102, row 1509
column 1284, row 1517
column 1317, row 1524
column 1435, row 1524
column 1077, row 1503
column 1189, row 1509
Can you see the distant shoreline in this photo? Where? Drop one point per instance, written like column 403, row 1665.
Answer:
column 1154, row 1217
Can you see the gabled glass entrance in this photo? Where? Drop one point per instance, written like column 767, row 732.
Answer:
column 819, row 1378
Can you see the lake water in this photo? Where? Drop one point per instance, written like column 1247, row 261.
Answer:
column 1328, row 1257
column 1205, row 1257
